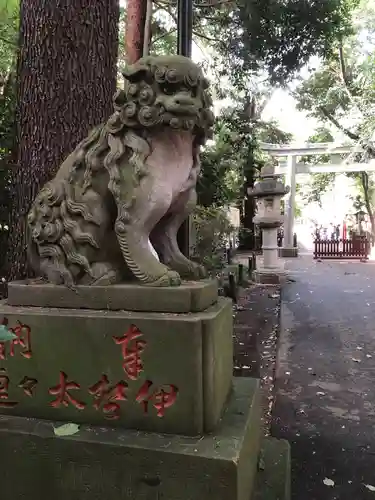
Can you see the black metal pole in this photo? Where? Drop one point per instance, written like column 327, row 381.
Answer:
column 184, row 43
column 185, row 27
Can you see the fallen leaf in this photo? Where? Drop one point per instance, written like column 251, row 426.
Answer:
column 6, row 335
column 370, row 487
column 328, row 482
column 66, row 430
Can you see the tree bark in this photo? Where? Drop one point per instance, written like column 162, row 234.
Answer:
column 67, row 66
column 135, row 30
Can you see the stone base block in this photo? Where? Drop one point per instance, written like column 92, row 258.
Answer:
column 267, row 277
column 288, row 252
column 274, row 477
column 117, row 464
column 159, row 372
column 191, row 296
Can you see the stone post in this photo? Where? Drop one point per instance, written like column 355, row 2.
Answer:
column 268, row 192
column 288, row 249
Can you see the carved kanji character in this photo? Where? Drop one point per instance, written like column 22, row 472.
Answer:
column 63, row 395
column 23, row 339
column 107, row 396
column 131, row 350
column 4, row 391
column 28, row 384
column 160, row 398
column 2, row 350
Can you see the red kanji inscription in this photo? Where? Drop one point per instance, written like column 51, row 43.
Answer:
column 2, row 350
column 23, row 333
column 28, row 384
column 23, row 339
column 131, row 350
column 4, row 391
column 63, row 395
column 160, row 398
column 108, row 396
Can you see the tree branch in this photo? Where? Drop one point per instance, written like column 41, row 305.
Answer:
column 205, row 37
column 147, row 34
column 163, row 35
column 355, row 137
column 166, row 8
column 344, row 75
column 345, row 79
column 337, row 124
column 213, row 3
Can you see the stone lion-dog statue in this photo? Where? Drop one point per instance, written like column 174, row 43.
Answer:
column 112, row 212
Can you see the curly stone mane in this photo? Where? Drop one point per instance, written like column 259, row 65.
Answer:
column 54, row 218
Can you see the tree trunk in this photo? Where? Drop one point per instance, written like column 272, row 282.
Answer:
column 67, row 68
column 248, row 234
column 135, row 29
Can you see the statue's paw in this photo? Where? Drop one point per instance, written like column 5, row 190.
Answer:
column 200, row 272
column 194, row 271
column 174, row 278
column 170, row 278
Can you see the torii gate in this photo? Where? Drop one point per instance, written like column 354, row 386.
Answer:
column 287, row 155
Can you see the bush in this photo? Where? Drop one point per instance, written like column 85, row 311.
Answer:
column 212, row 229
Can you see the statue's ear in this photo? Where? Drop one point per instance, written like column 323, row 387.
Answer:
column 136, row 72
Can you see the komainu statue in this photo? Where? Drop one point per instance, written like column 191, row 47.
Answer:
column 112, row 212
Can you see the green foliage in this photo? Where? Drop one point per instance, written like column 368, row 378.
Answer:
column 212, row 229
column 344, row 86
column 234, row 155
column 8, row 55
column 219, row 182
column 341, row 93
column 275, row 36
column 319, row 183
column 8, row 36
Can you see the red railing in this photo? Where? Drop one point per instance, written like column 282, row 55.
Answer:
column 356, row 248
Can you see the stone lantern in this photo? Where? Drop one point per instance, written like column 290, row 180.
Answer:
column 268, row 191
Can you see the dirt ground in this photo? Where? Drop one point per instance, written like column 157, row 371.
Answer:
column 256, row 324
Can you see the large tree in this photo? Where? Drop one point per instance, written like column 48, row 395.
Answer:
column 66, row 79
column 136, row 11
column 274, row 36
column 340, row 93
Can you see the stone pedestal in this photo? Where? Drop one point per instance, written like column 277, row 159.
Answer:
column 288, row 252
column 152, row 393
column 123, row 464
column 268, row 192
column 150, row 371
